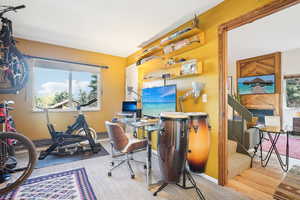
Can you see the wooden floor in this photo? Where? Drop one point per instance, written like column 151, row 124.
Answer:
column 121, row 187
column 259, row 183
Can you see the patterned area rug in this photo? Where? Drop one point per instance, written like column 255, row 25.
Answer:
column 289, row 188
column 68, row 185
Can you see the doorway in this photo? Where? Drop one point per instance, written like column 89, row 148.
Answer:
column 223, row 76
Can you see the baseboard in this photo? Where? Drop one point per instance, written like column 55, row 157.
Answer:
column 47, row 142
column 211, row 179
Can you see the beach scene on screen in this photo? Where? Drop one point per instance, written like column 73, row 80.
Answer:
column 158, row 99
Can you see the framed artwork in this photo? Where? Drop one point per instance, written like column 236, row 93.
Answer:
column 264, row 84
column 292, row 92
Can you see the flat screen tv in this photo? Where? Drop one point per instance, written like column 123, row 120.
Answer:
column 158, row 99
column 257, row 84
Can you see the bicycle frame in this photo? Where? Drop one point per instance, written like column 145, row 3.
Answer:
column 6, row 119
column 12, row 64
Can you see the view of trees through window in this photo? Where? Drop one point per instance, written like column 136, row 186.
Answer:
column 57, row 88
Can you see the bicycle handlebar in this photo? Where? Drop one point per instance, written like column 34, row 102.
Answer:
column 11, row 8
column 89, row 103
column 19, row 7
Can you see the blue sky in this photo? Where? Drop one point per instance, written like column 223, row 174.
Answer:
column 266, row 78
column 159, row 94
column 49, row 81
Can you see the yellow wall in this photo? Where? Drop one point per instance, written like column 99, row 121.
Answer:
column 208, row 53
column 33, row 125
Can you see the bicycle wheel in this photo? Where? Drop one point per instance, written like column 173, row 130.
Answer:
column 17, row 167
column 15, row 75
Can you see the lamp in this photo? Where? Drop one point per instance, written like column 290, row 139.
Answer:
column 195, row 92
column 130, row 90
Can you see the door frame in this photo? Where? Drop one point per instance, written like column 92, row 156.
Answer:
column 268, row 9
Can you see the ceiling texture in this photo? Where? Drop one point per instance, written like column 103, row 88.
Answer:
column 277, row 32
column 115, row 27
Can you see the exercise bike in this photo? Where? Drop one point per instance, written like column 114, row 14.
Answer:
column 74, row 138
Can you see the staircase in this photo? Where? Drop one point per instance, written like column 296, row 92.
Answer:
column 238, row 157
column 237, row 162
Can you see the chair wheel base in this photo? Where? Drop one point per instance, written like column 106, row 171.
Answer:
column 109, row 174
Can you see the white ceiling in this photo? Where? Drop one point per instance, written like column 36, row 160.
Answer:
column 115, row 27
column 277, row 32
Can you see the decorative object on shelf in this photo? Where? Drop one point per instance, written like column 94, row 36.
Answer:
column 189, row 67
column 171, row 61
column 195, row 92
column 199, row 141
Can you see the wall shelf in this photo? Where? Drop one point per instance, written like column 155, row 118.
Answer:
column 158, row 49
column 186, row 48
column 183, row 36
column 184, row 76
column 174, row 71
column 149, row 53
column 174, row 77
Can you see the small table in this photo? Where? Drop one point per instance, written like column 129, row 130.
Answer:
column 277, row 132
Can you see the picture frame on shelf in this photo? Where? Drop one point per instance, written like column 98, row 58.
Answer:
column 189, row 67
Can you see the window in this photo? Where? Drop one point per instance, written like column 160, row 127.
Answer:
column 59, row 85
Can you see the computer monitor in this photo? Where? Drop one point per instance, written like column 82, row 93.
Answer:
column 158, row 99
column 129, row 106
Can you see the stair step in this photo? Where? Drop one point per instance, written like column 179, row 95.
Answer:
column 237, row 163
column 249, row 191
column 232, row 147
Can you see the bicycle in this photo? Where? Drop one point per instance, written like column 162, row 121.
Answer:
column 13, row 66
column 74, row 138
column 17, row 153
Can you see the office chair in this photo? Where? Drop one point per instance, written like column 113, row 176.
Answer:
column 123, row 147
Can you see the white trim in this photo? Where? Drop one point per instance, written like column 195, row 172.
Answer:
column 211, row 179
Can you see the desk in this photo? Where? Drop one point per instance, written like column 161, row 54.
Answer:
column 148, row 128
column 276, row 132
